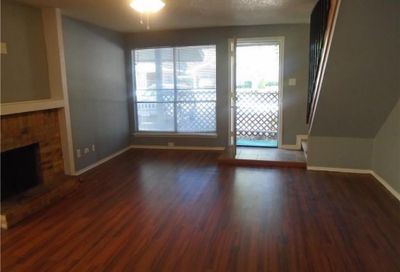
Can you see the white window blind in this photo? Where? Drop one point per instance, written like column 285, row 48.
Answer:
column 175, row 89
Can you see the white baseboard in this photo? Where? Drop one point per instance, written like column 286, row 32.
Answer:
column 358, row 171
column 340, row 170
column 80, row 172
column 387, row 186
column 200, row 148
column 297, row 146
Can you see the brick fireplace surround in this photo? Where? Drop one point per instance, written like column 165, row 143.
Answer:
column 23, row 129
column 36, row 127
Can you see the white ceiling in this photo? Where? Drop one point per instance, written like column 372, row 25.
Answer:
column 178, row 14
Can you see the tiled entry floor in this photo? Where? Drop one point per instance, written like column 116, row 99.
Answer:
column 269, row 154
column 264, row 157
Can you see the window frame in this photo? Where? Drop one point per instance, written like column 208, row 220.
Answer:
column 174, row 133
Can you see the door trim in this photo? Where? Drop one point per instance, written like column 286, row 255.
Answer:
column 232, row 94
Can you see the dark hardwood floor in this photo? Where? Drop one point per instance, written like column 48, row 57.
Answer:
column 181, row 211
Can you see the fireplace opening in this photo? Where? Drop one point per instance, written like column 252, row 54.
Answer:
column 19, row 170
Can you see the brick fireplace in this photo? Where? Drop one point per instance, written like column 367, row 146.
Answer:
column 22, row 173
column 40, row 128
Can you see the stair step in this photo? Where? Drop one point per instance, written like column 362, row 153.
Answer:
column 261, row 163
column 304, row 147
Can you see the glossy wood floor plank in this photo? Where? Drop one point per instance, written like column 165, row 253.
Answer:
column 181, row 211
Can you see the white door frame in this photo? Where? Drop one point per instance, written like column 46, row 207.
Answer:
column 232, row 95
column 280, row 40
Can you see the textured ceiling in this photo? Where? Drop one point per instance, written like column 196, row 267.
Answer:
column 177, row 14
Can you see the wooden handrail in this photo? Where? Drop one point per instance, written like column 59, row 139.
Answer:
column 323, row 20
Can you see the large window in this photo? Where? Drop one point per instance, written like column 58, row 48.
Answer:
column 175, row 89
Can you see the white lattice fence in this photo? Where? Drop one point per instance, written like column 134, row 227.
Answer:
column 257, row 115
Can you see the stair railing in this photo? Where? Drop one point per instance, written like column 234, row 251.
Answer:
column 322, row 24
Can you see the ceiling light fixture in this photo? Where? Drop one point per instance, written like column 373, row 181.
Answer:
column 147, row 7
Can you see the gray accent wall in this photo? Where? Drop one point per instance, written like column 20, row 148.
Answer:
column 386, row 151
column 295, row 66
column 361, row 86
column 362, row 80
column 24, row 70
column 339, row 152
column 96, row 78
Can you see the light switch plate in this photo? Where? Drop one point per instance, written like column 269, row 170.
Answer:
column 3, row 48
column 292, row 82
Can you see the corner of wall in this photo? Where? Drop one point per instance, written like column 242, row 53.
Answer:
column 385, row 159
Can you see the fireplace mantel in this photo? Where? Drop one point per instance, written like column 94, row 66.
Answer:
column 29, row 106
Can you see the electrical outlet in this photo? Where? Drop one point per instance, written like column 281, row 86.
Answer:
column 78, row 153
column 86, row 150
column 292, row 82
column 171, row 144
column 93, row 148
